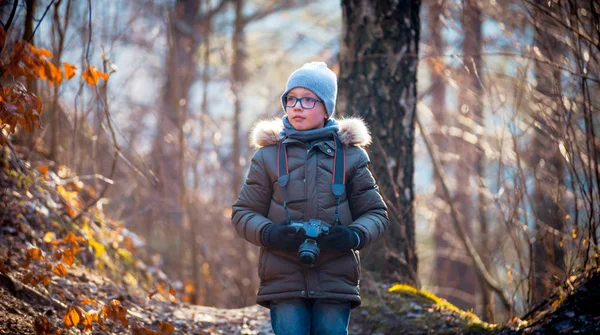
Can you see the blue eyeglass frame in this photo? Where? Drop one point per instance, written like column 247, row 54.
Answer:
column 299, row 99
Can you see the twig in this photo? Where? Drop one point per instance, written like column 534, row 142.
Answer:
column 468, row 244
column 17, row 165
column 40, row 21
column 13, row 282
column 8, row 24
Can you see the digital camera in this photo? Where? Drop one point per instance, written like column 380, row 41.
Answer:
column 309, row 251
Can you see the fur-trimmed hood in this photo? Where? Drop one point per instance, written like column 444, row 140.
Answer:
column 353, row 131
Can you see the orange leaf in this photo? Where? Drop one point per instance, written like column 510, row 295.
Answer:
column 35, row 254
column 103, row 75
column 115, row 312
column 91, row 75
column 68, row 257
column 166, row 328
column 43, row 170
column 71, row 318
column 60, row 270
column 70, row 238
column 88, row 301
column 69, row 70
column 86, row 320
column 45, row 280
column 172, row 290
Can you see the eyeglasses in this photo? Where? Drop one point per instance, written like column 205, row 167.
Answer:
column 305, row 102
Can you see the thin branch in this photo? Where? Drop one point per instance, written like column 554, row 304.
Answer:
column 468, row 244
column 9, row 23
column 12, row 16
column 39, row 22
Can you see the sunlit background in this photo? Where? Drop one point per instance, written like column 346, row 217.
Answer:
column 534, row 141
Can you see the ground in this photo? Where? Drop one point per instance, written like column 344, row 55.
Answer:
column 64, row 273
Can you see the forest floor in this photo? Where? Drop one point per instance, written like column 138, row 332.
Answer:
column 65, row 273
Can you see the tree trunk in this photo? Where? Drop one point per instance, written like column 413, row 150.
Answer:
column 451, row 264
column 463, row 278
column 548, row 165
column 378, row 65
column 237, row 78
column 438, row 98
column 472, row 21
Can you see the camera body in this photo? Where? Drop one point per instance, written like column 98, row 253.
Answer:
column 309, row 251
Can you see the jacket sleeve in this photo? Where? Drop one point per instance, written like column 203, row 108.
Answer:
column 250, row 210
column 366, row 204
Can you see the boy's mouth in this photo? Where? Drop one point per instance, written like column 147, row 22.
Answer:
column 298, row 118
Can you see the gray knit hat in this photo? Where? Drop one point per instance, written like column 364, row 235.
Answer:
column 317, row 77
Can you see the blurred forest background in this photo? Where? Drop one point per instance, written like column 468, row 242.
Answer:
column 499, row 98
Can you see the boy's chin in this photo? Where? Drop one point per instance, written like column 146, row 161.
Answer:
column 299, row 126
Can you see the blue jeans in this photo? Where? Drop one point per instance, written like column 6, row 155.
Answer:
column 310, row 316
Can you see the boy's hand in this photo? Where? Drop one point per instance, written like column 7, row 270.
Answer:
column 340, row 238
column 282, row 237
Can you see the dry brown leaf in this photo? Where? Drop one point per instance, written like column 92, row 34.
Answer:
column 35, row 254
column 26, row 262
column 69, row 70
column 151, row 294
column 68, row 257
column 60, row 270
column 88, row 301
column 115, row 312
column 44, row 279
column 42, row 325
column 43, row 170
column 86, row 320
column 166, row 328
column 28, row 278
column 71, row 318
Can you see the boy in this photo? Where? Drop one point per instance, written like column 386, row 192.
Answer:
column 310, row 171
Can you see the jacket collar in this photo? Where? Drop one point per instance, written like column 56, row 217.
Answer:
column 353, row 131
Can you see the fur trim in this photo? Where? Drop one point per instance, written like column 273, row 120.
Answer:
column 353, row 131
column 266, row 132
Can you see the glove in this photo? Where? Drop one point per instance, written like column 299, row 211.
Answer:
column 282, row 237
column 341, row 238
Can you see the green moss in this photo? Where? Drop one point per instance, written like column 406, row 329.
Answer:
column 473, row 321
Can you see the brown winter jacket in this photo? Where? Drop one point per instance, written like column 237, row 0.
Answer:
column 260, row 202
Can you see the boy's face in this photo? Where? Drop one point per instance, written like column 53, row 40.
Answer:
column 306, row 119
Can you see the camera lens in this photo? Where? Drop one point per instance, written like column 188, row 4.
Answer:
column 307, row 258
column 308, row 253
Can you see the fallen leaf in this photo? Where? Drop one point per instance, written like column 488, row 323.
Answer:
column 166, row 328
column 43, row 170
column 42, row 325
column 71, row 318
column 88, row 301
column 60, row 270
column 49, row 237
column 35, row 254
